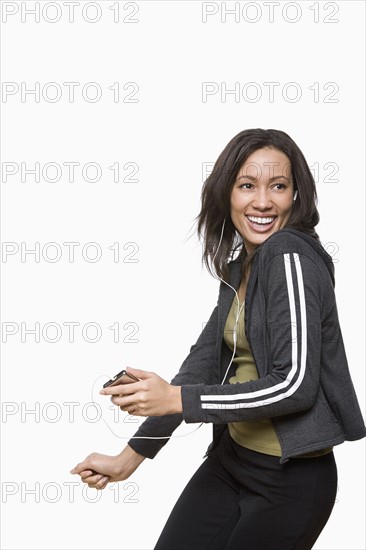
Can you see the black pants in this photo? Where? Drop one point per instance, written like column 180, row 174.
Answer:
column 240, row 499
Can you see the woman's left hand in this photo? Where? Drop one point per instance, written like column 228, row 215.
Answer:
column 151, row 396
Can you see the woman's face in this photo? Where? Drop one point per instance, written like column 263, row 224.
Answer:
column 262, row 196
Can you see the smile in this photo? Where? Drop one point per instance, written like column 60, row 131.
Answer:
column 261, row 221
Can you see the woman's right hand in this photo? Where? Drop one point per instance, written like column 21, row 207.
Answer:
column 98, row 470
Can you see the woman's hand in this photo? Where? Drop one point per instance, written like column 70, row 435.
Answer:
column 152, row 396
column 98, row 470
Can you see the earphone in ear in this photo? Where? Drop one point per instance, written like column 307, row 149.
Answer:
column 295, row 195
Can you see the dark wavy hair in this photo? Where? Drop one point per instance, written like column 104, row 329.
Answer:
column 216, row 193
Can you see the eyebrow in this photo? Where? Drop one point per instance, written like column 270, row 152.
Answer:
column 252, row 178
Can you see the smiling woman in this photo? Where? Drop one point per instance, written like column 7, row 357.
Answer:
column 262, row 196
column 270, row 373
column 251, row 159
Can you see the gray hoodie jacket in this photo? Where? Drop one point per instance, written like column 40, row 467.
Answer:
column 292, row 327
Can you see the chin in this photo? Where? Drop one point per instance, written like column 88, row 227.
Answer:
column 256, row 240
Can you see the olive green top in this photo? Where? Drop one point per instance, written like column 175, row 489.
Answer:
column 257, row 435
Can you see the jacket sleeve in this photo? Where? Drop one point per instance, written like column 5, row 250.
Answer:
column 195, row 368
column 291, row 309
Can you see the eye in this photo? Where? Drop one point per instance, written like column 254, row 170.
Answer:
column 280, row 185
column 245, row 185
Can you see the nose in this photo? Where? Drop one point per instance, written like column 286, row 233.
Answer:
column 261, row 200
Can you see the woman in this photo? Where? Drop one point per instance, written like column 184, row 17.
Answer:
column 269, row 370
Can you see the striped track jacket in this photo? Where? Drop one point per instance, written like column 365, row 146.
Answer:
column 291, row 324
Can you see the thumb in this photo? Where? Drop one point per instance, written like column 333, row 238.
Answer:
column 85, row 465
column 142, row 374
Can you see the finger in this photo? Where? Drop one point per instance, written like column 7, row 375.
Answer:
column 92, row 480
column 121, row 389
column 116, row 400
column 140, row 373
column 134, row 409
column 130, row 407
column 93, row 477
column 85, row 465
column 102, row 483
column 87, row 473
column 124, row 402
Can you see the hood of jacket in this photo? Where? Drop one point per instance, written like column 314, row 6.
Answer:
column 316, row 245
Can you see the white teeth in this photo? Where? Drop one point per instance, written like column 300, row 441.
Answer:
column 254, row 219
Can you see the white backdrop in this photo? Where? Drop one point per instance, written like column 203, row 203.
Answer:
column 110, row 112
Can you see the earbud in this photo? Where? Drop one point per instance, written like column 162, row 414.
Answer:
column 295, row 195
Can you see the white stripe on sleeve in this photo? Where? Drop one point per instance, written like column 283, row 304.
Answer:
column 294, row 351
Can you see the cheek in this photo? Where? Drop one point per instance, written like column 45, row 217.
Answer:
column 233, row 206
column 237, row 202
column 286, row 210
column 235, row 212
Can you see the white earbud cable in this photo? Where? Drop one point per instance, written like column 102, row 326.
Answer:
column 232, row 357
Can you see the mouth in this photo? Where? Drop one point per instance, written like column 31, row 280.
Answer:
column 261, row 224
